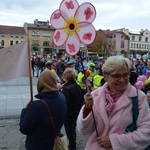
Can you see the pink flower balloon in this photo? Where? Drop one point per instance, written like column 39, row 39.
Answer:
column 139, row 85
column 59, row 86
column 142, row 78
column 73, row 24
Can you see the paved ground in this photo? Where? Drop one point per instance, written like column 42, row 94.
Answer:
column 14, row 95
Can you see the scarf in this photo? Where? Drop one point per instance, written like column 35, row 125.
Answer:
column 111, row 99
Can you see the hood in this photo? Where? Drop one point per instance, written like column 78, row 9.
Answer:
column 46, row 82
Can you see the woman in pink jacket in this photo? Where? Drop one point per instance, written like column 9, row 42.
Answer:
column 112, row 108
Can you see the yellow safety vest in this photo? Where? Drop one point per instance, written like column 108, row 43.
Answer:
column 92, row 74
column 52, row 70
column 80, row 82
column 147, row 81
column 97, row 81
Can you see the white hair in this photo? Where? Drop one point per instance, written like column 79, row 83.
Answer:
column 114, row 63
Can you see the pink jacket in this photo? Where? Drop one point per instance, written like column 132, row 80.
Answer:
column 115, row 124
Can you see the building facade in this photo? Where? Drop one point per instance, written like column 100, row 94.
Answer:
column 117, row 42
column 40, row 36
column 10, row 35
column 139, row 41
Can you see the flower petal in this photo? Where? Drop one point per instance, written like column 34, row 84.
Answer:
column 87, row 33
column 68, row 8
column 73, row 45
column 59, row 37
column 57, row 20
column 86, row 12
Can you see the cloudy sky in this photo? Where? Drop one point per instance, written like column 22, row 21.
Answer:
column 111, row 14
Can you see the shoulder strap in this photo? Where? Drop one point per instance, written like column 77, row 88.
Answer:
column 50, row 117
column 135, row 112
column 135, row 108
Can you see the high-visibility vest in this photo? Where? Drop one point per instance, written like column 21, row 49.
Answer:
column 92, row 74
column 97, row 81
column 80, row 82
column 147, row 81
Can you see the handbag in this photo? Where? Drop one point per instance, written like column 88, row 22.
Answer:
column 135, row 112
column 60, row 143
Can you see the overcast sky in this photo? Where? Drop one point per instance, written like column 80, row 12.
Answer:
column 111, row 14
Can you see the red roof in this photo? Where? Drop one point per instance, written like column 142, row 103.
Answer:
column 12, row 30
column 109, row 33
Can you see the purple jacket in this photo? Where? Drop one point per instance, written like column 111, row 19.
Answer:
column 115, row 124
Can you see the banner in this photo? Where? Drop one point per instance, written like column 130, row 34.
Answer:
column 14, row 61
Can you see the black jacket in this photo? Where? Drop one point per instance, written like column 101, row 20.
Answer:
column 72, row 92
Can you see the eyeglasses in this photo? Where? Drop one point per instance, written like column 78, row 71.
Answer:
column 117, row 77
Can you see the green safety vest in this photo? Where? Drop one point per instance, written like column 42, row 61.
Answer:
column 80, row 82
column 97, row 81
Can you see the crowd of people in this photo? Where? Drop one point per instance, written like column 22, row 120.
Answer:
column 94, row 98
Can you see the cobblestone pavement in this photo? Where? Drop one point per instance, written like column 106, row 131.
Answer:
column 12, row 139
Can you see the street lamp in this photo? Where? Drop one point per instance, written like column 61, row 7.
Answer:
column 102, row 51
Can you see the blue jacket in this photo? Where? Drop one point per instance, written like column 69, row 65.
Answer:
column 35, row 123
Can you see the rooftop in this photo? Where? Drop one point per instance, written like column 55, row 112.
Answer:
column 12, row 30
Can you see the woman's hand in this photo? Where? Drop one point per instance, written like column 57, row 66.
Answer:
column 104, row 142
column 88, row 100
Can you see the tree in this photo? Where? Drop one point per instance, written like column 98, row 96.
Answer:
column 35, row 48
column 99, row 43
column 123, row 51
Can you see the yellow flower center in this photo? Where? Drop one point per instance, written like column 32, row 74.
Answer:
column 71, row 26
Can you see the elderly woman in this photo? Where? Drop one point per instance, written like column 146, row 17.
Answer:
column 112, row 107
column 72, row 92
column 34, row 119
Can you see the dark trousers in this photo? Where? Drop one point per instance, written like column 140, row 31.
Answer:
column 70, row 127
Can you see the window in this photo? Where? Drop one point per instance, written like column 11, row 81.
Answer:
column 47, row 34
column 11, row 36
column 11, row 43
column 134, row 45
column 16, row 36
column 35, row 33
column 115, row 36
column 139, row 45
column 22, row 37
column 2, row 44
column 122, row 44
column 140, row 38
column 146, row 39
column 16, row 42
column 122, row 36
column 131, row 45
column 133, row 38
column 3, row 36
column 46, row 43
column 35, row 42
